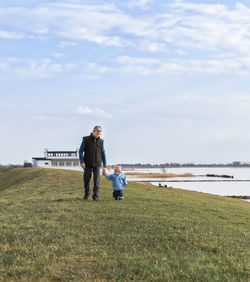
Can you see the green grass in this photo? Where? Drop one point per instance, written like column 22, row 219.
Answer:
column 47, row 233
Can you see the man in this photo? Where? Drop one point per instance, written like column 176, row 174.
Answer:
column 94, row 156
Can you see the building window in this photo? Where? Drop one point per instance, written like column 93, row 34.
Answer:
column 68, row 163
column 76, row 163
column 46, row 163
column 54, row 154
column 61, row 163
column 54, row 163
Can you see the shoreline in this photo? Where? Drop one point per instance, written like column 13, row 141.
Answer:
column 162, row 186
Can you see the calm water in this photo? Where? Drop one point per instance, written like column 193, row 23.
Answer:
column 218, row 188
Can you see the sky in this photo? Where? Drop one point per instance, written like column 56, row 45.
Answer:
column 168, row 81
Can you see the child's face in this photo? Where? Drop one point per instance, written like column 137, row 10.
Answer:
column 117, row 171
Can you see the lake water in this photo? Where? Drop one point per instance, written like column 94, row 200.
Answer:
column 219, row 188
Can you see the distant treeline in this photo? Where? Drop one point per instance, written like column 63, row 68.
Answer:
column 147, row 165
column 240, row 197
column 4, row 168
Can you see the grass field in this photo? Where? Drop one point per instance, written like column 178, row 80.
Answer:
column 47, row 233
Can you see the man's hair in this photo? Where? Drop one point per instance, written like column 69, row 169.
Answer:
column 97, row 128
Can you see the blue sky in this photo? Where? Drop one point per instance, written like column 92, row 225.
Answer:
column 167, row 80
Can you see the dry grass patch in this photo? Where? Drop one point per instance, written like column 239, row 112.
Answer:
column 158, row 175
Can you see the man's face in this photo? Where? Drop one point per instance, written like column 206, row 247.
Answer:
column 97, row 134
column 117, row 171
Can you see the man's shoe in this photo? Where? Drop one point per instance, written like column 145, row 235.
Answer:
column 95, row 199
column 85, row 198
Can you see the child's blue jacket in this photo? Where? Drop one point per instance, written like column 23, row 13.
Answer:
column 118, row 180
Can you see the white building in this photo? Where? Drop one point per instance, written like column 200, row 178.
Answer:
column 58, row 159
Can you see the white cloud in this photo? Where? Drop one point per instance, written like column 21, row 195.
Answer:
column 5, row 104
column 181, row 52
column 40, row 117
column 10, row 35
column 58, row 55
column 84, row 110
column 183, row 36
column 139, row 3
column 213, row 27
column 103, row 113
column 63, row 44
column 64, row 20
column 33, row 68
column 127, row 60
column 30, row 68
column 146, row 66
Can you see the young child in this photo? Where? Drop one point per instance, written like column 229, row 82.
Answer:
column 119, row 182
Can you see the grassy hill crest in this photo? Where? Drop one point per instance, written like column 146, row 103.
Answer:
column 47, row 233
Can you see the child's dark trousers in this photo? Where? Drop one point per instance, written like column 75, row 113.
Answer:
column 118, row 194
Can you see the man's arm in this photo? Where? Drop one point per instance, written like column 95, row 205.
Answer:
column 103, row 156
column 81, row 150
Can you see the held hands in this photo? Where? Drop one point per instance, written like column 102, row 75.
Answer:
column 84, row 166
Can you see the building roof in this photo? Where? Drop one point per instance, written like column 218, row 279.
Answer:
column 64, row 160
column 40, row 159
column 56, row 159
column 62, row 151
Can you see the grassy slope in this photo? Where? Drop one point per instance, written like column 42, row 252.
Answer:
column 48, row 233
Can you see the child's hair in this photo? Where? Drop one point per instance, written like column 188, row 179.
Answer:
column 118, row 167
